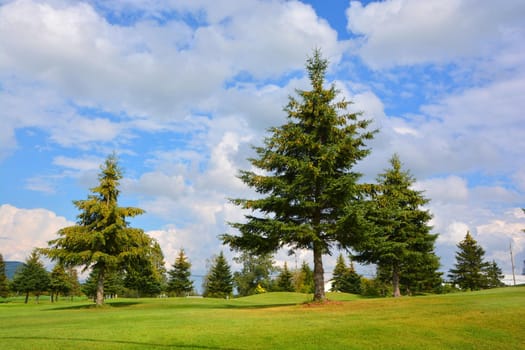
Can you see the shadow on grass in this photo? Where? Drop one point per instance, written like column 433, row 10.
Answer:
column 95, row 307
column 123, row 342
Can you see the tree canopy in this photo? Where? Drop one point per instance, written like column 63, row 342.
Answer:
column 102, row 238
column 179, row 281
column 400, row 234
column 306, row 178
column 32, row 277
column 219, row 280
column 469, row 271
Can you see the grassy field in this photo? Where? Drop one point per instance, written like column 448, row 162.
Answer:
column 491, row 319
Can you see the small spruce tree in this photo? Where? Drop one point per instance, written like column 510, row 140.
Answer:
column 469, row 268
column 219, row 280
column 32, row 277
column 494, row 275
column 285, row 280
column 179, row 281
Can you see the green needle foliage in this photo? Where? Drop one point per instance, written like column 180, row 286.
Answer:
column 219, row 280
column 4, row 283
column 102, row 238
column 306, row 178
column 469, row 271
column 32, row 277
column 179, row 277
column 400, row 239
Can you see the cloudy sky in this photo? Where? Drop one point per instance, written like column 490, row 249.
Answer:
column 181, row 90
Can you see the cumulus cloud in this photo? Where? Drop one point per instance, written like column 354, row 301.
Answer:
column 22, row 230
column 405, row 32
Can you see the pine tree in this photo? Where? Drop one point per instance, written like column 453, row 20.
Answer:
column 400, row 236
column 32, row 277
column 179, row 277
column 102, row 238
column 145, row 276
column 469, row 268
column 338, row 274
column 494, row 275
column 310, row 190
column 60, row 282
column 285, row 280
column 219, row 280
column 4, row 283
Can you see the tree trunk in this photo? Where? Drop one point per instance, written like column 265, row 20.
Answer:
column 319, row 294
column 27, row 297
column 100, row 287
column 395, row 281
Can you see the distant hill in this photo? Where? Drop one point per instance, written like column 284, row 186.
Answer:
column 10, row 268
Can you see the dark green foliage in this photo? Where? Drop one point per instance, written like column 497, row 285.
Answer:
column 113, row 284
column 219, row 280
column 303, row 279
column 4, row 283
column 345, row 279
column 255, row 271
column 145, row 275
column 469, row 268
column 308, row 186
column 60, row 282
column 399, row 238
column 284, row 281
column 32, row 277
column 75, row 290
column 494, row 275
column 179, row 281
column 102, row 238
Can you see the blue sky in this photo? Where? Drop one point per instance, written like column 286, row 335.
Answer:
column 181, row 89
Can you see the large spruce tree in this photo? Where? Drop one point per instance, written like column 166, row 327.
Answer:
column 101, row 239
column 400, row 235
column 179, row 281
column 306, row 177
column 470, row 267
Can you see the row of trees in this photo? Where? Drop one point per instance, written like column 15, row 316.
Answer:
column 309, row 197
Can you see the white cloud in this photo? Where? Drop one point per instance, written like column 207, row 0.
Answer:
column 405, row 32
column 22, row 230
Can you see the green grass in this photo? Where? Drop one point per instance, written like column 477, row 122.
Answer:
column 491, row 319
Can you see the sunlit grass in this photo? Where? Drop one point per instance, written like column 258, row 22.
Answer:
column 490, row 319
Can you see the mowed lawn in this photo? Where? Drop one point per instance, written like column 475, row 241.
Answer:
column 491, row 319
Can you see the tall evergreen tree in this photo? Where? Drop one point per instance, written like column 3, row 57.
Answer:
column 309, row 188
column 401, row 234
column 32, row 277
column 469, row 268
column 102, row 238
column 4, row 283
column 179, row 276
column 285, row 280
column 219, row 280
column 145, row 276
column 255, row 273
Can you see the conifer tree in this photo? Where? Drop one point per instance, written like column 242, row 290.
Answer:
column 310, row 191
column 338, row 274
column 60, row 282
column 101, row 239
column 179, row 276
column 304, row 279
column 470, row 265
column 494, row 275
column 285, row 280
column 4, row 283
column 219, row 280
column 32, row 277
column 400, row 236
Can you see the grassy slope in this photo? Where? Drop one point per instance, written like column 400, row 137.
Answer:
column 490, row 319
